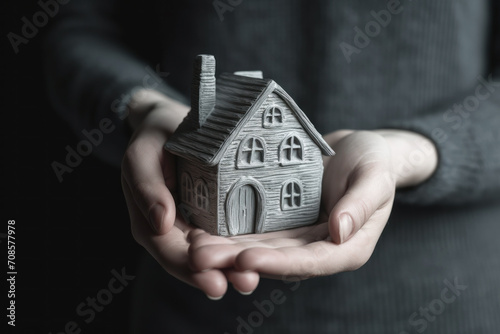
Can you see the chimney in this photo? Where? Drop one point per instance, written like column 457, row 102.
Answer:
column 203, row 89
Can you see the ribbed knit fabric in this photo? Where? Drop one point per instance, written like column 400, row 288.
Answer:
column 425, row 59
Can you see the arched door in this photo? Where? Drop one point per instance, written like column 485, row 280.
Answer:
column 244, row 211
column 243, row 205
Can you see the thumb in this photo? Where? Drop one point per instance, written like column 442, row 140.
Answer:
column 368, row 191
column 145, row 171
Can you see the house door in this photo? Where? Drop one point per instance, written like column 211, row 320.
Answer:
column 242, row 210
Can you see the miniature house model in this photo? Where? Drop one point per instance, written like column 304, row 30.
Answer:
column 249, row 160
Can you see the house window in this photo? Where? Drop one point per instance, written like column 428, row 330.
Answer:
column 251, row 152
column 187, row 188
column 291, row 150
column 291, row 195
column 201, row 194
column 273, row 116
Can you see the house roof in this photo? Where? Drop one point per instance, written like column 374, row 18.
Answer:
column 237, row 99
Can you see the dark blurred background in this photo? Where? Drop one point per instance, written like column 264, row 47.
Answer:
column 70, row 235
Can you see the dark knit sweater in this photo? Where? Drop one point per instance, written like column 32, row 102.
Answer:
column 421, row 66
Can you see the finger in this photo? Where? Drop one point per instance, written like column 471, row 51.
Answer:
column 198, row 238
column 213, row 256
column 202, row 256
column 202, row 238
column 139, row 226
column 244, row 282
column 223, row 255
column 333, row 138
column 170, row 251
column 212, row 282
column 145, row 170
column 367, row 191
column 207, row 251
column 316, row 259
column 297, row 262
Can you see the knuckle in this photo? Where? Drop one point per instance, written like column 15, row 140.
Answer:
column 128, row 159
column 198, row 258
column 364, row 209
column 134, row 152
column 140, row 187
column 129, row 156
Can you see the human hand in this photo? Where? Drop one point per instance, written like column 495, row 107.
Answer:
column 359, row 184
column 149, row 182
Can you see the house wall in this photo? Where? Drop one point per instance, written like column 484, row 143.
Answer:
column 205, row 219
column 273, row 175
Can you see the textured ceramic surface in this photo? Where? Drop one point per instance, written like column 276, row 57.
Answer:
column 249, row 160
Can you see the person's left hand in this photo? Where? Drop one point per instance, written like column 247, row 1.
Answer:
column 359, row 185
column 149, row 184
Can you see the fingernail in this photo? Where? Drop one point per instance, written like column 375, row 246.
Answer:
column 345, row 227
column 215, row 298
column 245, row 293
column 156, row 214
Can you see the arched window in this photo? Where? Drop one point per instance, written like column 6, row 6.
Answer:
column 273, row 116
column 201, row 193
column 186, row 188
column 251, row 153
column 291, row 150
column 291, row 195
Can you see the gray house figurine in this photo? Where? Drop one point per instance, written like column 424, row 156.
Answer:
column 249, row 160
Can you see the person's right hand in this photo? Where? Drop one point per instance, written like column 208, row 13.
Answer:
column 149, row 181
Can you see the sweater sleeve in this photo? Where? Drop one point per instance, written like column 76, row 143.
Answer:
column 466, row 133
column 468, row 145
column 93, row 67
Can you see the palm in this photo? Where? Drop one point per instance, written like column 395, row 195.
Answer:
column 297, row 253
column 309, row 251
column 261, row 252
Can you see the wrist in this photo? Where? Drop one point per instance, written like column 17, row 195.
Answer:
column 414, row 156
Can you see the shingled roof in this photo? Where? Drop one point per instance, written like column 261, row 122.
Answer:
column 237, row 99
